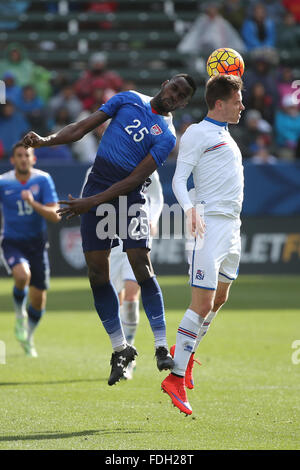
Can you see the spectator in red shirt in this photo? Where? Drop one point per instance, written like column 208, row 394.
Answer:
column 294, row 7
column 97, row 77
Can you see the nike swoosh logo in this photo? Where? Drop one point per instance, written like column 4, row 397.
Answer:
column 9, row 191
column 154, row 318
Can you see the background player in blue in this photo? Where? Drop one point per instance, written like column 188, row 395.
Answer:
column 28, row 198
column 138, row 139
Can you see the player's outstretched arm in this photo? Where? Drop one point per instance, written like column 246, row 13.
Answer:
column 135, row 179
column 67, row 134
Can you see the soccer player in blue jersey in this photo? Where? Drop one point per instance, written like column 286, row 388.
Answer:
column 28, row 199
column 138, row 139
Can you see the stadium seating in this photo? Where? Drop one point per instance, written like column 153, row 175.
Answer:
column 140, row 39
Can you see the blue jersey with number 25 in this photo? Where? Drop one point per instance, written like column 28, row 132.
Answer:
column 21, row 221
column 134, row 131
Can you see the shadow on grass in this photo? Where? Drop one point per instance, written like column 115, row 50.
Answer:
column 64, row 435
column 50, row 382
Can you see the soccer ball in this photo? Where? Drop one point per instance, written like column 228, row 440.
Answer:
column 225, row 60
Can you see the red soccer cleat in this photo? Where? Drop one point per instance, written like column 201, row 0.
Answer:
column 189, row 382
column 174, row 387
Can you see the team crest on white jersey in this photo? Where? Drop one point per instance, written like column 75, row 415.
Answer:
column 200, row 275
column 156, row 130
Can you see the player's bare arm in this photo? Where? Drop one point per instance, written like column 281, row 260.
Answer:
column 48, row 211
column 135, row 179
column 70, row 133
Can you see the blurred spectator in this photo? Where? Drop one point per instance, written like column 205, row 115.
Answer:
column 255, row 128
column 66, row 98
column 1, row 150
column 128, row 85
column 86, row 148
column 262, row 71
column 98, row 96
column 61, row 119
column 24, row 70
column 55, row 152
column 32, row 106
column 284, row 84
column 210, row 31
column 104, row 79
column 11, row 89
column 287, row 32
column 258, row 30
column 261, row 100
column 13, row 126
column 294, row 7
column 274, row 9
column 287, row 127
column 234, row 11
column 262, row 155
column 12, row 9
column 103, row 7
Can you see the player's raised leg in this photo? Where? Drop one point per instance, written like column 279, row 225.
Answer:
column 220, row 298
column 107, row 305
column 152, row 299
column 187, row 333
column 21, row 274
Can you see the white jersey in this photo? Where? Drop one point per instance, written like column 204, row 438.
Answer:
column 120, row 269
column 209, row 152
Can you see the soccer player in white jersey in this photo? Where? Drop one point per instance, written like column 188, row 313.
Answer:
column 122, row 275
column 208, row 152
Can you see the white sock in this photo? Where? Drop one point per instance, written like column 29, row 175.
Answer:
column 30, row 329
column 20, row 300
column 130, row 316
column 118, row 341
column 185, row 340
column 204, row 327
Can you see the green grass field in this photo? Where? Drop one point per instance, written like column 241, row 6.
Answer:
column 247, row 390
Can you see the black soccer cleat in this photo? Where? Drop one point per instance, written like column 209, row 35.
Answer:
column 163, row 359
column 119, row 362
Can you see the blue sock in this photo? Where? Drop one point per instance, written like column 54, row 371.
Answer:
column 20, row 300
column 154, row 307
column 107, row 305
column 34, row 317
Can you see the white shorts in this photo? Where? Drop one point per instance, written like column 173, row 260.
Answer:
column 217, row 256
column 120, row 268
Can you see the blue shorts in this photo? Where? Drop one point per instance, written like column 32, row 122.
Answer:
column 34, row 252
column 125, row 218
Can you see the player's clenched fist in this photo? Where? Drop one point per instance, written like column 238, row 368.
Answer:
column 195, row 223
column 27, row 195
column 33, row 140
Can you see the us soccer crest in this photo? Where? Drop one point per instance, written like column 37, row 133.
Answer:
column 155, row 130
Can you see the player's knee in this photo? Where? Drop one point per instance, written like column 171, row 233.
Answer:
column 202, row 308
column 142, row 269
column 219, row 301
column 22, row 278
column 97, row 277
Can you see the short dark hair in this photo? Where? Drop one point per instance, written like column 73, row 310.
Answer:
column 17, row 145
column 220, row 87
column 189, row 79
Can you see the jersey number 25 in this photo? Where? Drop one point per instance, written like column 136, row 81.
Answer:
column 137, row 136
